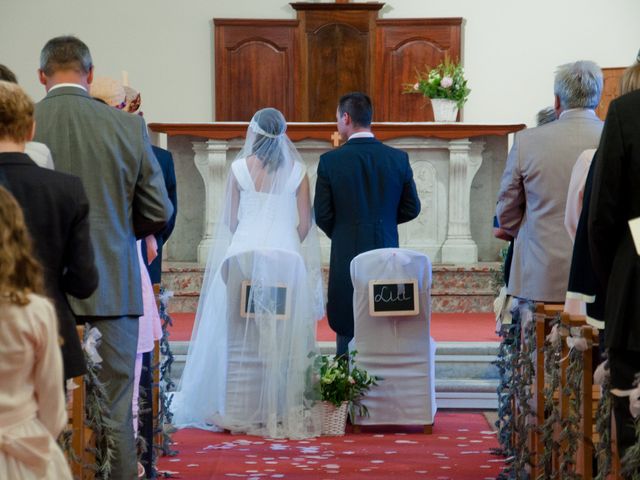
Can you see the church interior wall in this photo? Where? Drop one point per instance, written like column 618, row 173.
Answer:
column 510, row 48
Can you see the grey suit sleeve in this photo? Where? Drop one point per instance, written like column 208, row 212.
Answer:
column 409, row 206
column 151, row 206
column 511, row 198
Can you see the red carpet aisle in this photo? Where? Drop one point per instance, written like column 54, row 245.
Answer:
column 458, row 449
column 445, row 327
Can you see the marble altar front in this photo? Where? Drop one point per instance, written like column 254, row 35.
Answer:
column 457, row 169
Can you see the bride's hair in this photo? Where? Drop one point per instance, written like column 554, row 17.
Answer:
column 269, row 127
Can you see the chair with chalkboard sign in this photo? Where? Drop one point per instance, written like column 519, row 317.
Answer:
column 392, row 313
column 268, row 325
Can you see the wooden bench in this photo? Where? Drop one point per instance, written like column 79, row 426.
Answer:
column 81, row 434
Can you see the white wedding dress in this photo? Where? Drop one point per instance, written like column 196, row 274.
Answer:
column 249, row 367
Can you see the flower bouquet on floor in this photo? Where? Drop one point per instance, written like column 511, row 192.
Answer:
column 342, row 386
column 445, row 85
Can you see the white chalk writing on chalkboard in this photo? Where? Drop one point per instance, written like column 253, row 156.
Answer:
column 393, row 297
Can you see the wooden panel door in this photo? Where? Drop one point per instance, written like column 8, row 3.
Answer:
column 404, row 45
column 255, row 62
column 338, row 63
column 337, row 54
column 610, row 89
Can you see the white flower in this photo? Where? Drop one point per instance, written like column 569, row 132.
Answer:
column 446, row 82
column 416, row 86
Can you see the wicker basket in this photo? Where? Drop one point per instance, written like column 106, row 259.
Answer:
column 334, row 419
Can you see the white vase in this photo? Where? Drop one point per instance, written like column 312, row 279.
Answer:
column 444, row 110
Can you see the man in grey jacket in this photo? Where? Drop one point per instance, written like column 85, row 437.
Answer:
column 110, row 152
column 533, row 190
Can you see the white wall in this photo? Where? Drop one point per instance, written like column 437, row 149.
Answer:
column 510, row 47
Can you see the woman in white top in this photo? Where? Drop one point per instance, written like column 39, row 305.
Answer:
column 249, row 363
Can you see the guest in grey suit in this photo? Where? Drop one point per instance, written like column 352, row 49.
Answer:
column 110, row 152
column 533, row 190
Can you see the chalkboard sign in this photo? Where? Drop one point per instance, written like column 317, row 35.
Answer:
column 393, row 298
column 272, row 298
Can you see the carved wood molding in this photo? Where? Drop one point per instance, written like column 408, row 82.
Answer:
column 298, row 6
column 323, row 131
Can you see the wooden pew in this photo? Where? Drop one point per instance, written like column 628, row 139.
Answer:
column 81, row 434
column 544, row 315
column 155, row 401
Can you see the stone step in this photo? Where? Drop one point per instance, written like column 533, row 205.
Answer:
column 455, row 288
column 465, row 377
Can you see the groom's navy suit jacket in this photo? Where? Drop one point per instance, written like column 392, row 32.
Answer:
column 364, row 190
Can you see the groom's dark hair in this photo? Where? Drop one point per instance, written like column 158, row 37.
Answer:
column 358, row 106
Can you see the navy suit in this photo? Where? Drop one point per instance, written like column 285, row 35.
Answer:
column 364, row 190
column 56, row 211
column 168, row 173
column 615, row 199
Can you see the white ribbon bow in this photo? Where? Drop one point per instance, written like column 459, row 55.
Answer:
column 554, row 335
column 579, row 343
column 90, row 345
column 165, row 296
column 601, row 374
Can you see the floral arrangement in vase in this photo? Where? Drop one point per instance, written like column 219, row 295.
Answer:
column 341, row 380
column 445, row 81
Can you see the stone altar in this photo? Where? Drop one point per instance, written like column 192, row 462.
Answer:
column 457, row 169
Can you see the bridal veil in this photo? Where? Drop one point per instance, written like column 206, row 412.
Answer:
column 249, row 364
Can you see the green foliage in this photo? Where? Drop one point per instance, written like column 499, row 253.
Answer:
column 341, row 380
column 444, row 81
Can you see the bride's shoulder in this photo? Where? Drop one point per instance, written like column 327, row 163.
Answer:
column 298, row 173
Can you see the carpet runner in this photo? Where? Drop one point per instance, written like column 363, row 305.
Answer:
column 445, row 327
column 459, row 449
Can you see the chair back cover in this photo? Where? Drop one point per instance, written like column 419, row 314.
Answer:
column 270, row 335
column 399, row 349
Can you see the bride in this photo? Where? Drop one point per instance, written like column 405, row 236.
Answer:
column 249, row 365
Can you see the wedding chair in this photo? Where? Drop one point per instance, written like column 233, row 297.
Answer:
column 392, row 314
column 252, row 360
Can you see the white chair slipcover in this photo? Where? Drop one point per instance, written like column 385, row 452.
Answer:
column 398, row 349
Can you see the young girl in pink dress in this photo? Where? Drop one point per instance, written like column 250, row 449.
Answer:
column 32, row 403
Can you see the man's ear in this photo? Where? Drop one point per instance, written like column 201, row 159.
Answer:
column 90, row 76
column 42, row 77
column 556, row 104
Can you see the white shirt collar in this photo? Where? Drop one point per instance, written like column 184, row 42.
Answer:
column 60, row 85
column 362, row 135
column 576, row 110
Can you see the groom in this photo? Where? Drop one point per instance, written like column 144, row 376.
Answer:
column 364, row 190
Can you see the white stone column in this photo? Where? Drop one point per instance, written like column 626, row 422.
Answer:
column 465, row 158
column 211, row 161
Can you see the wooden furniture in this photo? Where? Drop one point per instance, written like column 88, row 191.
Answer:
column 590, row 395
column 610, row 89
column 303, row 66
column 297, row 131
column 81, row 434
column 155, row 397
